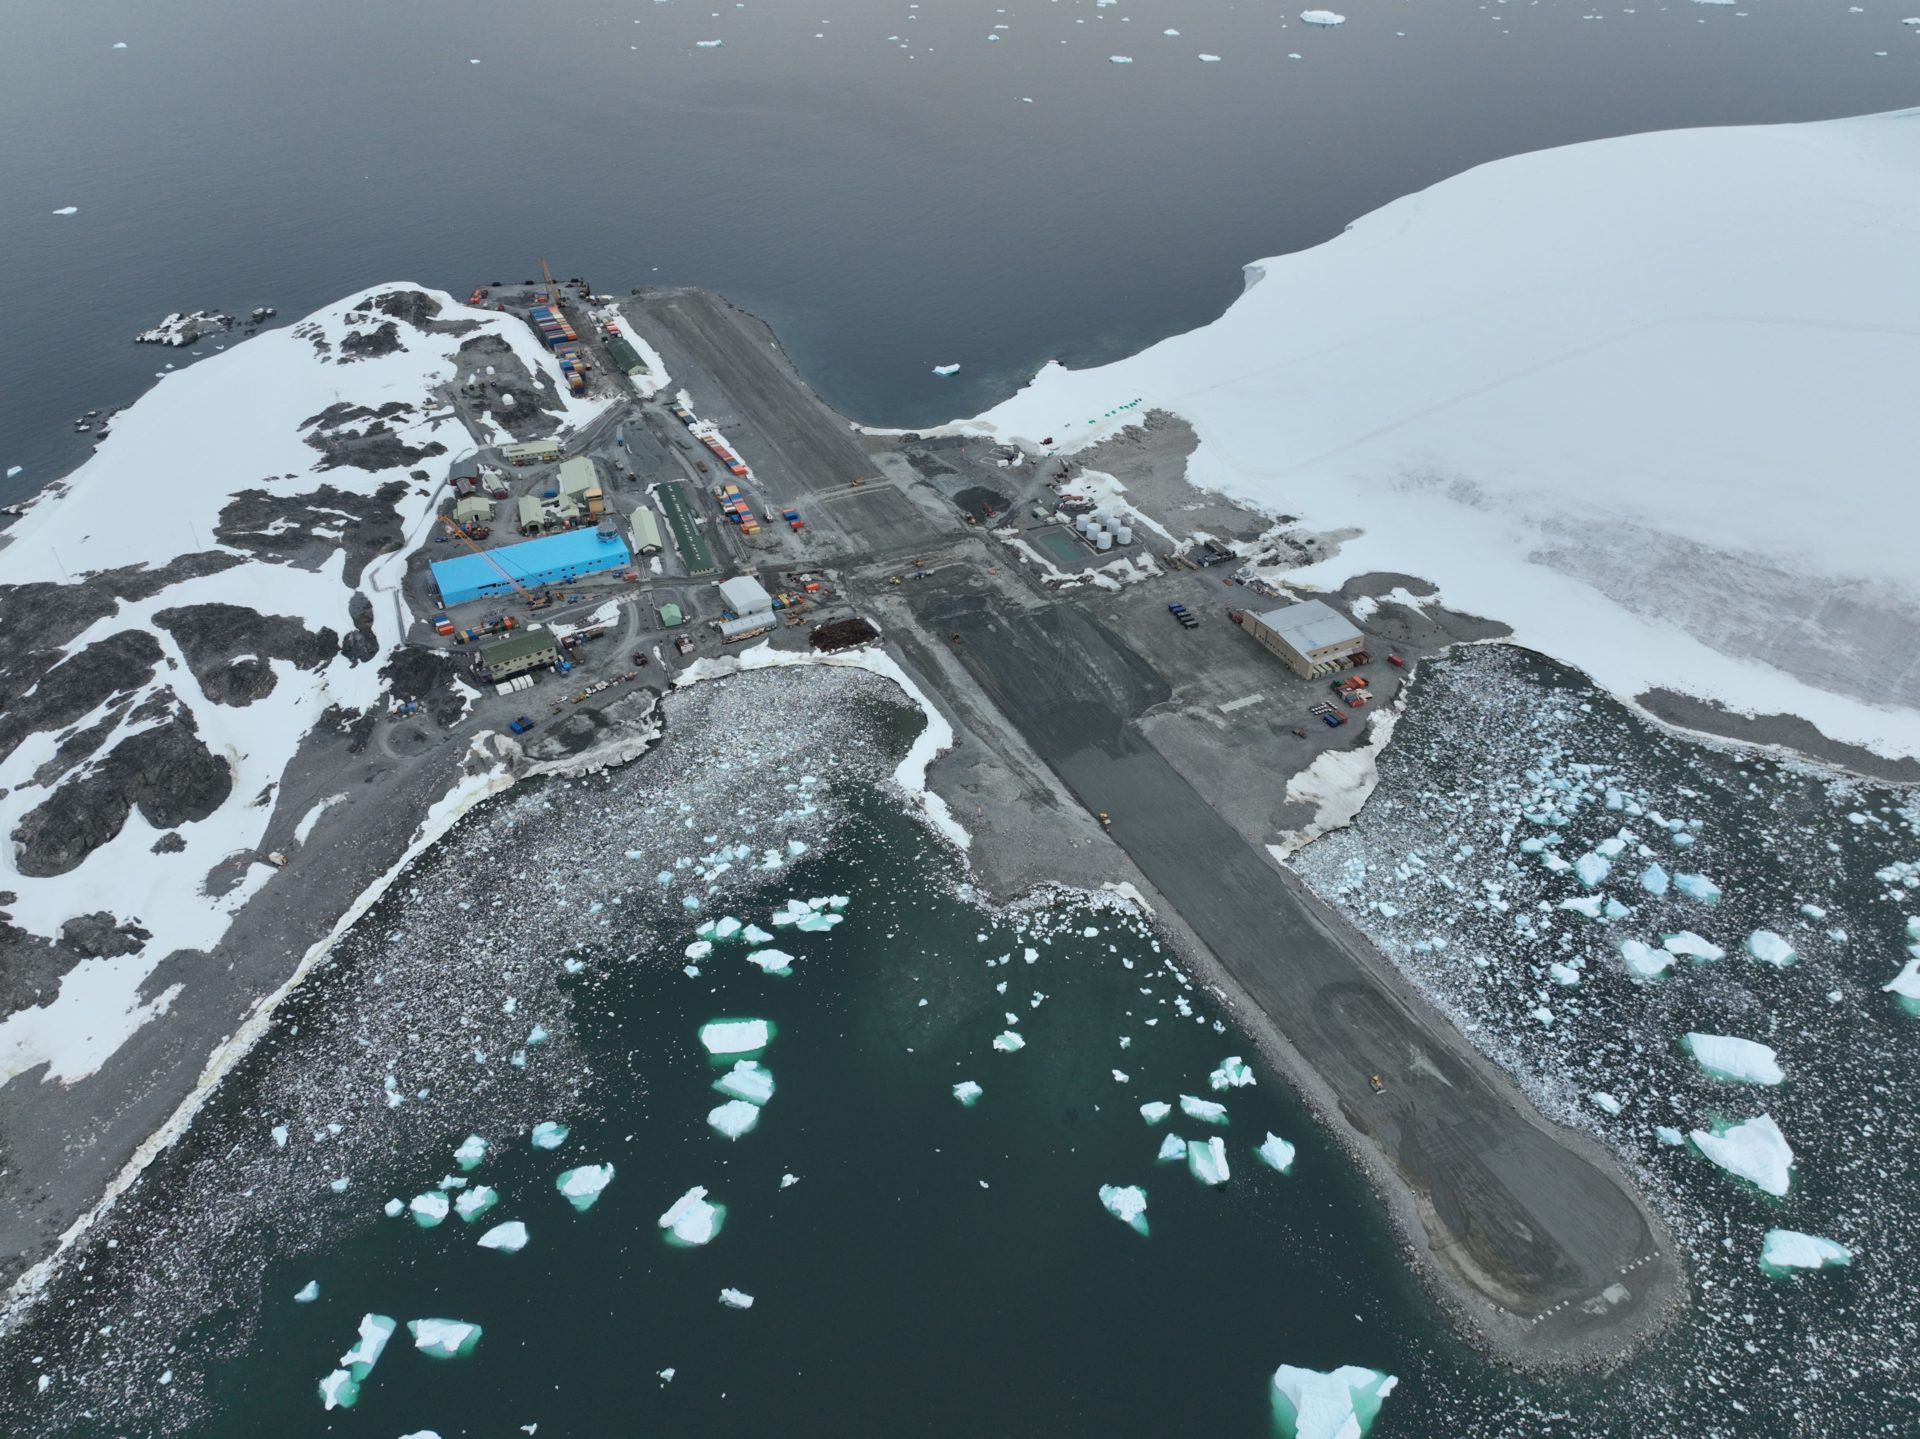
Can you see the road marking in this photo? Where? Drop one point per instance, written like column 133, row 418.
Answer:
column 1231, row 705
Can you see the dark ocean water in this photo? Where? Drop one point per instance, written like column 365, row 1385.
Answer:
column 888, row 205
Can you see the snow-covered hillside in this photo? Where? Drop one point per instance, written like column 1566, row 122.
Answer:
column 181, row 612
column 1647, row 400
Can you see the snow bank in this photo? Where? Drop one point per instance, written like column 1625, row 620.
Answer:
column 1597, row 393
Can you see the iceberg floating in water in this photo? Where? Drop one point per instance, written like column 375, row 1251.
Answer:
column 309, row 1292
column 583, row 1186
column 1277, row 1152
column 429, row 1209
column 1308, row 1404
column 476, row 1202
column 1770, row 948
column 375, row 1331
column 727, row 1037
column 734, row 1118
column 1322, row 17
column 1785, row 1250
column 550, row 1134
column 339, row 1390
column 472, row 1150
column 1127, row 1203
column 1009, row 1042
column 1172, row 1149
column 1905, row 986
column 749, row 1080
column 772, row 961
column 1155, row 1110
column 394, row 1209
column 1654, row 879
column 508, row 1238
column 968, row 1093
column 1697, row 887
column 1727, row 1057
column 1604, row 1102
column 444, row 1338
column 1204, row 1110
column 1643, row 961
column 1688, row 943
column 1233, row 1073
column 1207, row 1160
column 947, row 369
column 1755, row 1151
column 691, row 1219
column 736, row 1299
column 1590, row 869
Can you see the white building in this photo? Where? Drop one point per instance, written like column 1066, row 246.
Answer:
column 1312, row 637
column 746, row 597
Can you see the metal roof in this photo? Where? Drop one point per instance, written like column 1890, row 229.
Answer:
column 745, row 595
column 1309, row 625
column 516, row 646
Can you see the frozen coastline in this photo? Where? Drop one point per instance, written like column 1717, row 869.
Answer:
column 1641, row 399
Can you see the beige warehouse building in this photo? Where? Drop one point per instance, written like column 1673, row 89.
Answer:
column 1312, row 637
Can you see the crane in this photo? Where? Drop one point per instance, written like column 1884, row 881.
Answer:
column 553, row 290
column 500, row 569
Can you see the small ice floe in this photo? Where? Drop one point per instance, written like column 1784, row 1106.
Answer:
column 309, row 1292
column 444, row 1338
column 508, row 1238
column 1726, row 1057
column 968, row 1093
column 342, row 1387
column 1277, row 1153
column 736, row 1299
column 1697, row 887
column 339, row 1390
column 707, row 44
column 1591, row 869
column 1687, row 943
column 753, row 934
column 1155, row 1110
column 394, row 1209
column 1669, row 1136
column 339, row 1186
column 946, row 369
column 1308, row 1404
column 472, row 1150
column 1120, row 1076
column 550, row 1134
column 429, row 1209
column 1655, row 880
column 1209, row 59
column 1207, row 1160
column 699, row 949
column 1322, row 17
column 119, row 44
column 1564, row 975
column 1754, row 1150
column 727, row 928
column 583, row 1186
column 1643, row 961
column 1589, row 905
column 1126, row 1203
column 1769, row 948
column 1785, row 1250
column 1119, row 59
column 476, row 1202
column 727, row 1037
column 1008, row 1042
column 734, row 1118
column 748, row 1080
column 1173, row 1149
column 1204, row 1110
column 692, row 1220
column 13, row 470
column 279, row 1133
column 1233, row 1073
column 1169, row 32
column 787, row 1181
column 68, row 210
column 1604, row 1102
column 772, row 961
column 1905, row 987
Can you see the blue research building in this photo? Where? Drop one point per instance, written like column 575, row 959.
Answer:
column 555, row 560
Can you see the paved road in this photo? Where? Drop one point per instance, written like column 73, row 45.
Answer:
column 1528, row 1222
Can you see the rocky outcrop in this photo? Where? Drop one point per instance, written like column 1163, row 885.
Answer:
column 165, row 771
column 227, row 648
column 309, row 529
column 49, row 699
